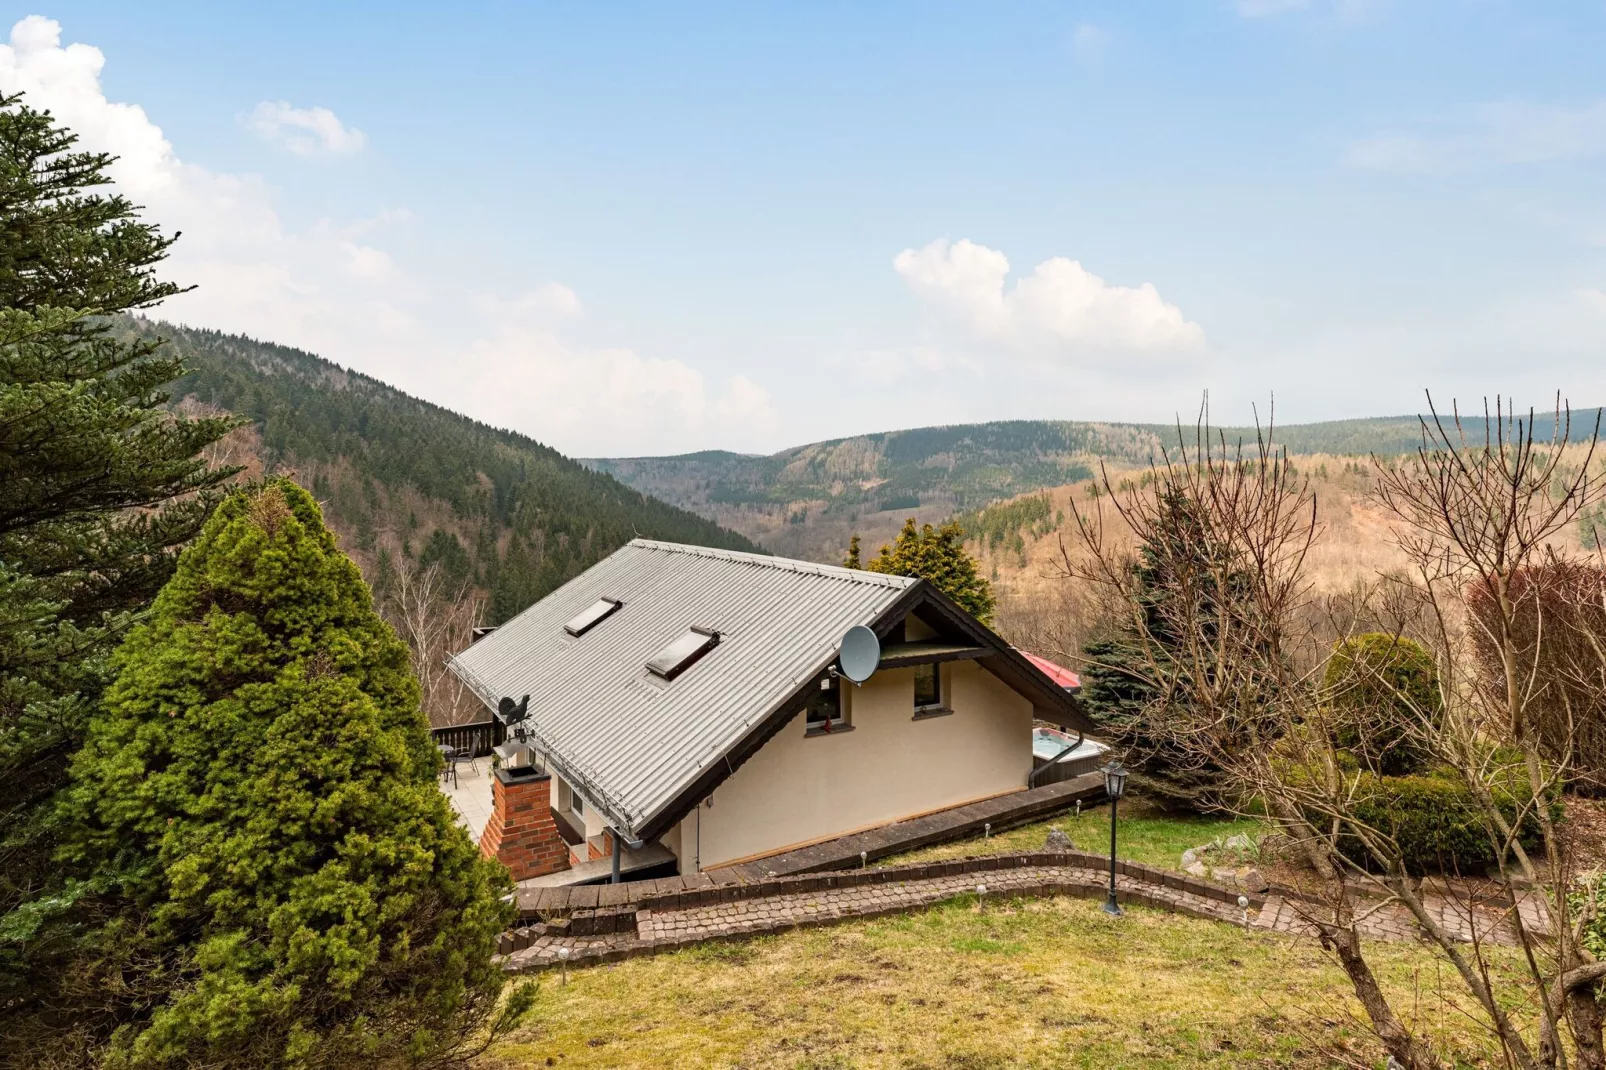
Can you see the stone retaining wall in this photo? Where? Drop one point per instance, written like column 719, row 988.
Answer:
column 611, row 910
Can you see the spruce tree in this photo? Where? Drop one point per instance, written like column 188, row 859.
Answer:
column 99, row 486
column 938, row 556
column 289, row 885
column 1123, row 685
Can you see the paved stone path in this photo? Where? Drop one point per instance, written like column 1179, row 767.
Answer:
column 667, row 923
column 1394, row 921
column 670, row 929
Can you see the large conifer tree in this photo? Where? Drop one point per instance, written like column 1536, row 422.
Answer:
column 1120, row 691
column 938, row 556
column 290, row 888
column 99, row 485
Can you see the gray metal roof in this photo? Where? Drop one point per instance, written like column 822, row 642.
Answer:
column 629, row 740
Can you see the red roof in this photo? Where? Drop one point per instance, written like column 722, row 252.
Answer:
column 1058, row 673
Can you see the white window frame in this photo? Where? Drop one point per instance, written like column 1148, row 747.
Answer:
column 836, row 722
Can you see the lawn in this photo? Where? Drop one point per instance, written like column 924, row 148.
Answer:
column 1034, row 983
column 1145, row 834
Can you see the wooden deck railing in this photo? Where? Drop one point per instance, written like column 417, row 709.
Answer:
column 477, row 738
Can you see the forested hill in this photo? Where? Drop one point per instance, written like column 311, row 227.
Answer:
column 805, row 501
column 397, row 475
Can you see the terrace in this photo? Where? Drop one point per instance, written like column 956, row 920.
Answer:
column 468, row 786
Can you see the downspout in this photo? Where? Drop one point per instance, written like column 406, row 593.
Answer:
column 1031, row 779
column 619, row 844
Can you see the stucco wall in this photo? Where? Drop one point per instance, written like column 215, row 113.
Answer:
column 801, row 788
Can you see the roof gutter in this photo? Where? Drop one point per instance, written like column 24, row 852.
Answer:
column 728, row 759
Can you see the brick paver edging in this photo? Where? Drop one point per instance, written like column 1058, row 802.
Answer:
column 657, row 918
column 546, row 904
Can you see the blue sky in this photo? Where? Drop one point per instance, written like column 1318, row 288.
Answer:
column 640, row 229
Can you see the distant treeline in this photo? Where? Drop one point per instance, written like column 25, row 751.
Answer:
column 1005, row 525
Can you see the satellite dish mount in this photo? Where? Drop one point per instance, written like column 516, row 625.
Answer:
column 859, row 654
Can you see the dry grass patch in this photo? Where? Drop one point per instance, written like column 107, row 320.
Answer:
column 1032, row 983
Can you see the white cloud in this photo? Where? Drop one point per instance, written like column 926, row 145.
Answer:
column 1496, row 133
column 606, row 402
column 1060, row 310
column 543, row 303
column 304, row 131
column 1258, row 9
column 333, row 288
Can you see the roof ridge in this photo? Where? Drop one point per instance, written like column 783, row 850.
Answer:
column 786, row 564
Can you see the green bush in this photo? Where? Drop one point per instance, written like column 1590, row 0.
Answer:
column 1383, row 691
column 284, row 882
column 1434, row 820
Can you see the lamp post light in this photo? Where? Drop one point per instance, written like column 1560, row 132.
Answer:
column 1114, row 785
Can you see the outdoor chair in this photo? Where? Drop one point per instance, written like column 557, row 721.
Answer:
column 449, row 768
column 465, row 755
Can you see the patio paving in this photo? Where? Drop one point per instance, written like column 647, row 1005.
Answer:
column 654, row 918
column 471, row 795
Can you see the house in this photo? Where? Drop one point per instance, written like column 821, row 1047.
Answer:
column 685, row 701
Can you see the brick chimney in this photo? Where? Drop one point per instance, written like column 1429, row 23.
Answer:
column 521, row 833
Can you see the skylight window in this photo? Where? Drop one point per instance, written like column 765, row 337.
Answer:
column 594, row 614
column 680, row 655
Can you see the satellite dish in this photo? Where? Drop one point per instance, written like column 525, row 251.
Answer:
column 859, row 653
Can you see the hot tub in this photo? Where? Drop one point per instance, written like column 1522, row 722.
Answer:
column 1049, row 743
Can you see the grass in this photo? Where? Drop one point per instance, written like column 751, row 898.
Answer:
column 1144, row 834
column 1033, row 983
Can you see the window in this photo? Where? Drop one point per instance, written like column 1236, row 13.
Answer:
column 680, row 655
column 569, row 799
column 827, row 709
column 928, row 687
column 594, row 614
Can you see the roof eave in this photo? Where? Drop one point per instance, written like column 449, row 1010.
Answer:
column 732, row 758
column 565, row 768
column 1049, row 700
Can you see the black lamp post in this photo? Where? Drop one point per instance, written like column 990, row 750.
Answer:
column 1114, row 785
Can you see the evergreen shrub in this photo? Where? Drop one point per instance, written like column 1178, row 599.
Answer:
column 1434, row 820
column 289, row 887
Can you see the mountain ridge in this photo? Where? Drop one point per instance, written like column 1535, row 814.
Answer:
column 806, row 500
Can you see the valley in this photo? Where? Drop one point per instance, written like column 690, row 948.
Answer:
column 808, row 500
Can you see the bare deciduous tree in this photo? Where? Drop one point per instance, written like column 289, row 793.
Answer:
column 1480, row 516
column 1233, row 645
column 1219, row 606
column 436, row 619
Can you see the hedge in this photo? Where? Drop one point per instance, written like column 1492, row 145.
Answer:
column 1434, row 820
